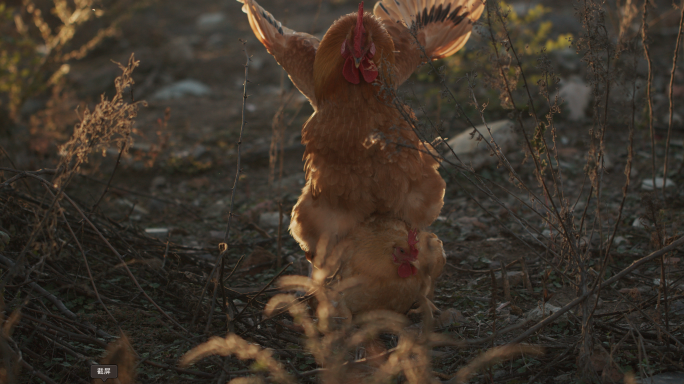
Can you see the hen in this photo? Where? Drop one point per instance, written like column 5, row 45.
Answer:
column 395, row 267
column 362, row 157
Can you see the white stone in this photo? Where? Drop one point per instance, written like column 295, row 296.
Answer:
column 576, row 96
column 639, row 222
column 211, row 20
column 647, row 184
column 136, row 208
column 664, row 378
column 216, row 210
column 271, row 219
column 187, row 87
column 537, row 315
column 157, row 232
column 476, row 153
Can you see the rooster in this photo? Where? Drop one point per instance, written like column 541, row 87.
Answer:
column 362, row 157
column 395, row 266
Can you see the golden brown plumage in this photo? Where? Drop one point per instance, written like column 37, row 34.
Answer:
column 362, row 158
column 368, row 254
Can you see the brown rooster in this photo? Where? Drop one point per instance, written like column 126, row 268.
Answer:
column 362, row 158
column 395, row 266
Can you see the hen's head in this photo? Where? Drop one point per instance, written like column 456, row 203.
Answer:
column 407, row 257
column 352, row 53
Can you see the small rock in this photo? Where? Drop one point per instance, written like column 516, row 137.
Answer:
column 647, row 184
column 677, row 307
column 620, row 240
column 537, row 315
column 271, row 220
column 676, row 119
column 208, row 21
column 136, row 208
column 640, row 223
column 476, row 153
column 4, row 240
column 144, row 147
column 216, row 210
column 158, row 182
column 633, row 292
column 181, row 153
column 665, row 378
column 187, row 87
column 563, row 378
column 576, row 95
column 157, row 232
column 198, row 151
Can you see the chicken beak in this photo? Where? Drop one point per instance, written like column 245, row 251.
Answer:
column 357, row 61
column 415, row 263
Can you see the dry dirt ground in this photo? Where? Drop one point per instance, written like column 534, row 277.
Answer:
column 167, row 209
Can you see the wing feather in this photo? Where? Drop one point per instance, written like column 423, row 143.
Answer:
column 443, row 27
column 294, row 51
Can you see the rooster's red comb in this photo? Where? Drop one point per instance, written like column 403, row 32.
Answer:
column 358, row 33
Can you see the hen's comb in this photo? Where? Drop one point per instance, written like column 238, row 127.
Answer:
column 413, row 237
column 413, row 241
column 358, row 33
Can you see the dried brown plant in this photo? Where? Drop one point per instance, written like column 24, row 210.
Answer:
column 108, row 124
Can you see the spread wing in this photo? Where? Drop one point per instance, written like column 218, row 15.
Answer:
column 443, row 27
column 294, row 51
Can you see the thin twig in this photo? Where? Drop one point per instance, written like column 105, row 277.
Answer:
column 649, row 98
column 111, row 177
column 675, row 55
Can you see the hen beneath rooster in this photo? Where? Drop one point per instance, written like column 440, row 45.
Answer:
column 394, row 267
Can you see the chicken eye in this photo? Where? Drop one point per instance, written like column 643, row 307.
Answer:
column 401, row 250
